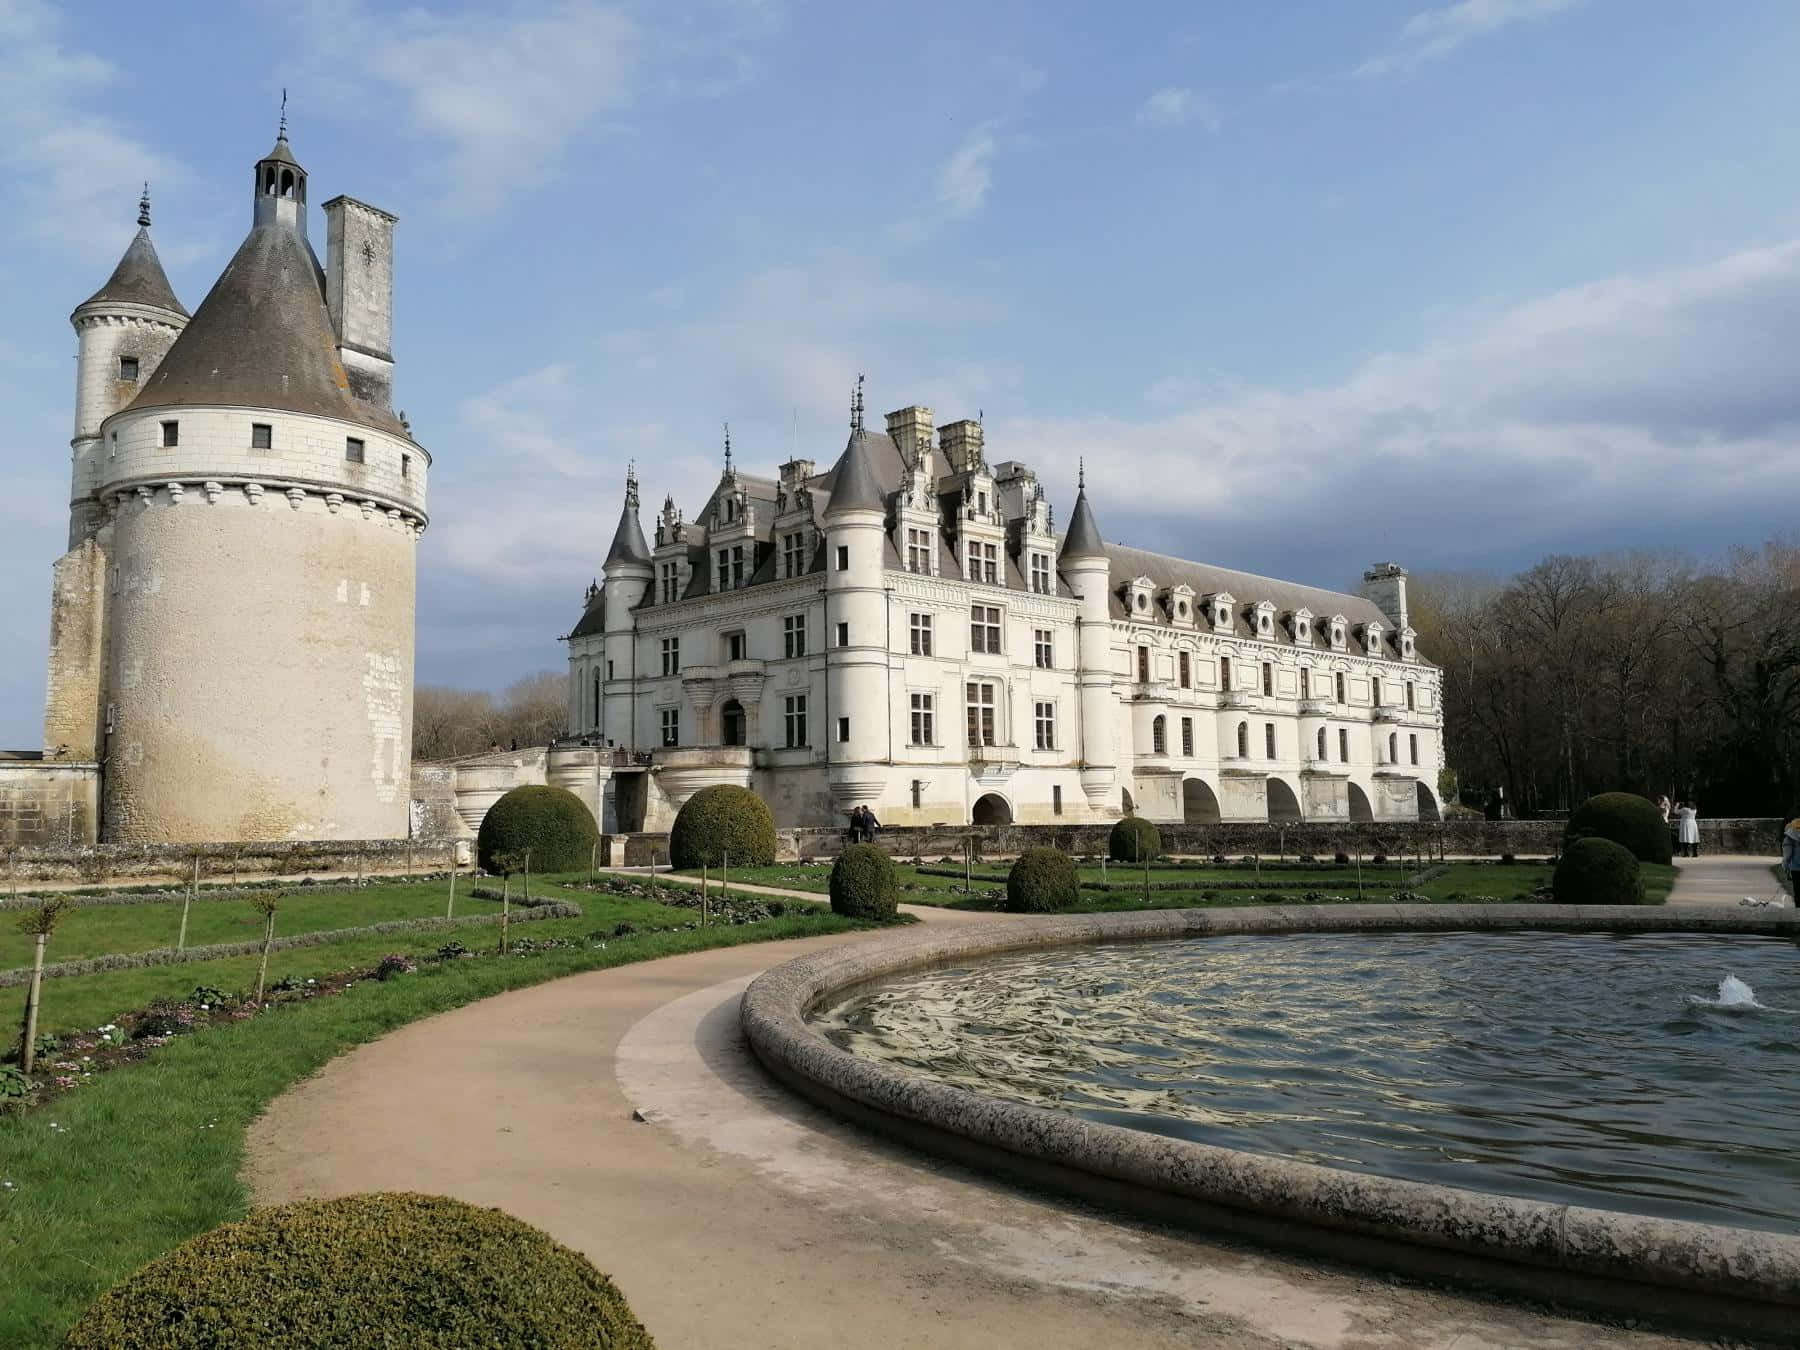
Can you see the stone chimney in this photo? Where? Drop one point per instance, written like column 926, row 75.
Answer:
column 359, row 293
column 961, row 444
column 1385, row 584
column 907, row 426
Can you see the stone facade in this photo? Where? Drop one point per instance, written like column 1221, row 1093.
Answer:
column 911, row 632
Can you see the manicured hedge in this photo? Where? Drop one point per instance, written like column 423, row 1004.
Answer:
column 1627, row 819
column 551, row 822
column 1042, row 881
column 420, row 1271
column 723, row 823
column 1134, row 839
column 1596, row 871
column 863, row 885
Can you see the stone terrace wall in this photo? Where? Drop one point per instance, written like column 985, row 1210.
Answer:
column 131, row 863
column 47, row 802
column 1474, row 838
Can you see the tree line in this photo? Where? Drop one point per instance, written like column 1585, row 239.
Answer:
column 1648, row 673
column 448, row 722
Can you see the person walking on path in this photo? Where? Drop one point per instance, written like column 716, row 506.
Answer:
column 1687, row 833
column 1790, row 856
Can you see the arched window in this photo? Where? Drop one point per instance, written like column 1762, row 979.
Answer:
column 1393, row 748
column 1159, row 735
column 1321, row 742
column 1243, row 740
column 287, row 182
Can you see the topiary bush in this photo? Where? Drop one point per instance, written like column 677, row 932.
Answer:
column 863, row 885
column 1042, row 881
column 1595, row 871
column 721, row 821
column 1625, row 818
column 388, row 1269
column 1134, row 839
column 551, row 822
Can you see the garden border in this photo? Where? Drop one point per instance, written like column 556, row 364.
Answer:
column 1711, row 1276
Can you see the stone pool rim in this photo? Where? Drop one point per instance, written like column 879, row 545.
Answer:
column 1712, row 1275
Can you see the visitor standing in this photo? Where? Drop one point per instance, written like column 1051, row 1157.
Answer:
column 870, row 825
column 1687, row 834
column 1790, row 856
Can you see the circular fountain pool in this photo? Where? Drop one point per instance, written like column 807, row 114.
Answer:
column 1596, row 1070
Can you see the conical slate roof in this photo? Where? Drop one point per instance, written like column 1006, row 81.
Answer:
column 139, row 279
column 628, row 544
column 262, row 339
column 855, row 485
column 1083, row 539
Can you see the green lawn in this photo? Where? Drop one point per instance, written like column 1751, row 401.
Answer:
column 140, row 1158
column 83, row 1002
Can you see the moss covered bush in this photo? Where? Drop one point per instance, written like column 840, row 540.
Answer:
column 863, row 884
column 390, row 1269
column 1134, row 839
column 1042, row 881
column 1627, row 819
column 551, row 822
column 720, row 823
column 1595, row 871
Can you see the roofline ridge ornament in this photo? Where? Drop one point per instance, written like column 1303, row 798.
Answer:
column 144, row 207
column 856, row 406
column 728, row 447
column 631, row 486
column 281, row 128
column 1081, row 474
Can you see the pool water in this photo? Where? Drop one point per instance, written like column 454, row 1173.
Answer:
column 1658, row 1074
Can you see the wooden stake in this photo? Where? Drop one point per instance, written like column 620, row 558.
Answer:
column 28, row 1050
column 193, row 889
column 450, row 909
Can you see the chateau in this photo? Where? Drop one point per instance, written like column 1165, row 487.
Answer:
column 231, row 651
column 909, row 631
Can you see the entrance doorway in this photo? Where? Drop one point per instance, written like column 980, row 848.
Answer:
column 992, row 809
column 731, row 723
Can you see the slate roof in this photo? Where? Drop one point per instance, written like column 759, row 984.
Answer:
column 139, row 279
column 262, row 339
column 593, row 618
column 628, row 543
column 1083, row 538
column 856, row 481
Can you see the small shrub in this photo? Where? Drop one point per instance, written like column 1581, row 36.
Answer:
column 452, row 951
column 1626, row 819
column 1042, row 881
column 776, row 908
column 624, row 928
column 722, row 822
column 163, row 1019
column 207, row 995
column 1596, row 871
column 1341, row 859
column 1508, row 859
column 14, row 1085
column 1378, row 859
column 550, row 823
column 1134, row 839
column 421, row 1271
column 394, row 963
column 862, row 884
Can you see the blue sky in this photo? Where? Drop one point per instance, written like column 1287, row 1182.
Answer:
column 1308, row 284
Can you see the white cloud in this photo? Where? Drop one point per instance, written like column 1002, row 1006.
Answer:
column 965, row 179
column 1177, row 108
column 1435, row 33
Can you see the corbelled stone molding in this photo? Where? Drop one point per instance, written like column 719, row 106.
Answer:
column 119, row 497
column 1717, row 1277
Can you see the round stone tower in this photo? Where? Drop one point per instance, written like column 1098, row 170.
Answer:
column 856, row 660
column 261, row 504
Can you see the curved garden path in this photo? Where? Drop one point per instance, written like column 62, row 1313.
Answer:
column 733, row 1215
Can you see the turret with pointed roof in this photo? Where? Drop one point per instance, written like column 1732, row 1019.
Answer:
column 628, row 544
column 1083, row 539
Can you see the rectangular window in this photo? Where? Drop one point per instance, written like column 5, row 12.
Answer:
column 793, row 554
column 735, row 646
column 1187, row 737
column 793, row 635
column 1044, row 648
column 171, row 435
column 128, row 368
column 924, row 716
column 920, row 625
column 1268, row 740
column 843, row 557
column 405, row 465
column 1413, row 745
column 843, row 635
column 1225, row 673
column 981, row 503
column 671, row 726
column 668, row 583
column 1040, row 574
column 737, row 566
column 984, row 563
column 1056, row 800
column 843, row 730
column 262, row 436
column 981, row 713
column 671, row 656
column 1340, row 686
column 984, row 628
column 1343, row 746
column 609, row 670
column 1268, row 674
column 353, row 450
column 794, row 721
column 1187, row 671
column 918, row 793
column 1305, row 683
column 1046, row 726
column 1410, row 697
column 918, row 551
column 1143, row 665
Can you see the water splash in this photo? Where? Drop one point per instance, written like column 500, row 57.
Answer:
column 1733, row 994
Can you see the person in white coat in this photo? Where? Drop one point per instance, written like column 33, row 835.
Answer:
column 1687, row 829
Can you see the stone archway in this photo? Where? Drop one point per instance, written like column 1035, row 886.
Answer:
column 1359, row 803
column 991, row 809
column 1284, row 806
column 733, row 725
column 1126, row 805
column 1428, row 806
column 1199, row 804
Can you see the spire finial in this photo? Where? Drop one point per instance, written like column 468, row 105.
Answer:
column 144, row 207
column 1081, row 474
column 281, row 131
column 631, row 486
column 856, row 406
column 728, row 447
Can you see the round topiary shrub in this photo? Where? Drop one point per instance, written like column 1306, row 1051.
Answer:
column 1595, row 871
column 1134, row 839
column 723, row 823
column 389, row 1269
column 863, row 885
column 1042, row 881
column 550, row 822
column 1625, row 818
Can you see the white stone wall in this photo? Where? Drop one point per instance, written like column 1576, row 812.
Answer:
column 103, row 335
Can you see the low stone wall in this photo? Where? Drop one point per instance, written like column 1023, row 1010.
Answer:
column 1323, row 839
column 1714, row 1277
column 97, row 864
column 47, row 802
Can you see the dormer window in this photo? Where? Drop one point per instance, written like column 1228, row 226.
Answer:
column 1372, row 639
column 1142, row 602
column 1221, row 612
column 1264, row 620
column 1339, row 628
column 1180, row 600
column 1406, row 644
column 1303, row 627
column 730, row 510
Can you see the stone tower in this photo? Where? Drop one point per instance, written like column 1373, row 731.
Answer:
column 856, row 637
column 251, row 510
column 1083, row 560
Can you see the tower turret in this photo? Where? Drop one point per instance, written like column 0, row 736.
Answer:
column 856, row 640
column 628, row 572
column 280, row 185
column 1083, row 562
